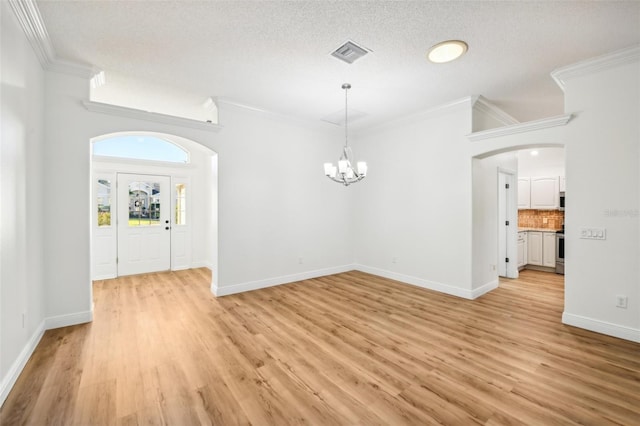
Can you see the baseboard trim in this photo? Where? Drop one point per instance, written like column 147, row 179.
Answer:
column 182, row 268
column 484, row 289
column 104, row 277
column 47, row 324
column 419, row 282
column 219, row 291
column 68, row 320
column 201, row 264
column 16, row 368
column 539, row 268
column 602, row 327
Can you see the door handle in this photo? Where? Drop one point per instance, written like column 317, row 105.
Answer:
column 167, row 228
column 166, row 221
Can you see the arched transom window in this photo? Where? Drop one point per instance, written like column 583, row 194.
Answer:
column 140, row 147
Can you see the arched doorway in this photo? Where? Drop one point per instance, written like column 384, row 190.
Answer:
column 493, row 151
column 154, row 204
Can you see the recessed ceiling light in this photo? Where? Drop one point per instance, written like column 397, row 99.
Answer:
column 447, row 51
column 534, row 153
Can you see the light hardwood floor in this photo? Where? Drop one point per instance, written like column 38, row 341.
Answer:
column 345, row 349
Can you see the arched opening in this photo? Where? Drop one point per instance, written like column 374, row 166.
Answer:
column 153, row 203
column 493, row 206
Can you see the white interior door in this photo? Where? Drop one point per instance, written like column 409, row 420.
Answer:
column 507, row 227
column 144, row 223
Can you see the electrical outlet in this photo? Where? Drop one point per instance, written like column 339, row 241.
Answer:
column 621, row 301
column 394, row 260
column 300, row 261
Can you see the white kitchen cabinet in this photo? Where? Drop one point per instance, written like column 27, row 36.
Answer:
column 522, row 249
column 549, row 249
column 534, row 246
column 524, row 190
column 563, row 184
column 545, row 192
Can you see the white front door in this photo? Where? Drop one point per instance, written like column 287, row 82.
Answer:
column 144, row 224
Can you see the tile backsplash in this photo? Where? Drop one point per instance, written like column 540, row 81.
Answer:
column 535, row 219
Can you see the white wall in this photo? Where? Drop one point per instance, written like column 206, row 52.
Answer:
column 22, row 209
column 603, row 164
column 485, row 217
column 412, row 214
column 67, row 175
column 275, row 204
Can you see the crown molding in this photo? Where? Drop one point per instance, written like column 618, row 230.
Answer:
column 467, row 101
column 139, row 114
column 28, row 15
column 513, row 129
column 590, row 66
column 227, row 101
column 422, row 115
column 224, row 102
column 482, row 104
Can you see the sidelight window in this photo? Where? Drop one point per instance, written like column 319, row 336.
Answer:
column 103, row 193
column 181, row 204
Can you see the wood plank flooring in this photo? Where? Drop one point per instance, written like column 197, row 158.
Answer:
column 350, row 349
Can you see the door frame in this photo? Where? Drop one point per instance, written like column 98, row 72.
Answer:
column 508, row 247
column 104, row 253
column 201, row 176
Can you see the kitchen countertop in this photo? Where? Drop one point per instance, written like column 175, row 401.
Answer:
column 521, row 229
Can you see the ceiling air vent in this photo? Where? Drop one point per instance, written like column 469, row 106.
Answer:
column 349, row 52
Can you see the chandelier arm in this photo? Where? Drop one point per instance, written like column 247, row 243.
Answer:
column 341, row 181
column 346, row 181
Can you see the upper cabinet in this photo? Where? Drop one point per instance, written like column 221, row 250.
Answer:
column 539, row 192
column 545, row 192
column 545, row 170
column 524, row 193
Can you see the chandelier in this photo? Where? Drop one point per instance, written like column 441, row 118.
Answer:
column 345, row 173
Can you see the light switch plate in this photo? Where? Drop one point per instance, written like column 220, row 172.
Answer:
column 593, row 233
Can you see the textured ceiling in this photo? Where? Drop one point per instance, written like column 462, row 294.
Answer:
column 276, row 55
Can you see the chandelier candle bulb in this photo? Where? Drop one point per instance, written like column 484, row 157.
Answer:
column 362, row 168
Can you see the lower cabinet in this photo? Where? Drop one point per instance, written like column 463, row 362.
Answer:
column 535, row 248
column 541, row 248
column 549, row 249
column 522, row 249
